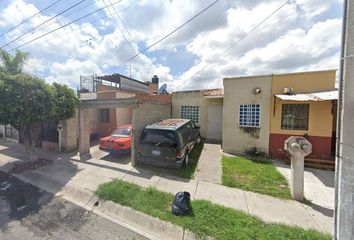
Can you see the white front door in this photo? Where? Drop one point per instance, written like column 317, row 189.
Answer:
column 214, row 122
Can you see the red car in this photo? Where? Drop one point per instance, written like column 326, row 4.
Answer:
column 119, row 142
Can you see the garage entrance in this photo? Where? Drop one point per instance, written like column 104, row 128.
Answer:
column 143, row 112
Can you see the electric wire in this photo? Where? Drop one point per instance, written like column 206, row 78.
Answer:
column 65, row 25
column 172, row 32
column 126, row 39
column 41, row 24
column 240, row 39
column 29, row 18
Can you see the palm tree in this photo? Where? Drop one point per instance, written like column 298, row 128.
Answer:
column 12, row 64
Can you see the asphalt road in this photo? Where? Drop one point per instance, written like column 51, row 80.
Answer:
column 27, row 212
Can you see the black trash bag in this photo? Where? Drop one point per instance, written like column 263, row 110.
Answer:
column 181, row 204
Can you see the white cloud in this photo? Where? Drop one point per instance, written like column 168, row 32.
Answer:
column 35, row 65
column 293, row 39
column 70, row 71
column 282, row 43
column 14, row 13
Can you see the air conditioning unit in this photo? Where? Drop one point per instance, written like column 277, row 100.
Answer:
column 288, row 90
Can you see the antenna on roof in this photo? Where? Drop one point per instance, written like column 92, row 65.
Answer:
column 162, row 89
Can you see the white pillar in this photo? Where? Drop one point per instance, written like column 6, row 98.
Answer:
column 344, row 211
column 297, row 177
column 84, row 132
column 298, row 148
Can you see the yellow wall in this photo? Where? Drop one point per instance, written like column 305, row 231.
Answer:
column 320, row 113
column 320, row 119
column 304, row 82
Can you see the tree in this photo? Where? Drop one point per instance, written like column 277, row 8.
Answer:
column 12, row 64
column 65, row 102
column 25, row 103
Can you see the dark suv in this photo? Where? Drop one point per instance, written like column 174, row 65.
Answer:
column 167, row 143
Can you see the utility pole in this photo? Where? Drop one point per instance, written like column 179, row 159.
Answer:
column 344, row 176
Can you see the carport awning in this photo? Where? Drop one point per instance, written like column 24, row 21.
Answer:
column 315, row 96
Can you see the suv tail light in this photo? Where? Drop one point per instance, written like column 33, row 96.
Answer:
column 179, row 155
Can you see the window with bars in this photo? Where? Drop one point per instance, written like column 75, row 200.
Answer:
column 295, row 116
column 249, row 115
column 190, row 112
column 104, row 115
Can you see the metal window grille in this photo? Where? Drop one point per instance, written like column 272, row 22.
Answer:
column 190, row 112
column 249, row 115
column 295, row 116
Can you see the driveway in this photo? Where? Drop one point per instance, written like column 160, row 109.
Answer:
column 318, row 185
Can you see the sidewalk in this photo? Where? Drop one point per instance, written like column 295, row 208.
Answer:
column 67, row 171
column 209, row 166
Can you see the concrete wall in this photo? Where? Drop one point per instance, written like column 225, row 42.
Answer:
column 93, row 119
column 69, row 134
column 153, row 88
column 147, row 113
column 167, row 98
column 193, row 98
column 238, row 91
column 123, row 116
column 117, row 116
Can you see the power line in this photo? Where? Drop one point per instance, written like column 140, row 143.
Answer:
column 178, row 28
column 175, row 30
column 65, row 25
column 109, row 10
column 89, row 23
column 27, row 19
column 86, row 25
column 121, row 20
column 71, row 13
column 243, row 37
column 141, row 25
column 36, row 27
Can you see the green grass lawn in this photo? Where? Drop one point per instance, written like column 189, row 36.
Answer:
column 256, row 176
column 207, row 219
column 188, row 172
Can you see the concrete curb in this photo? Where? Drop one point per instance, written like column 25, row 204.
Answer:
column 153, row 226
column 143, row 224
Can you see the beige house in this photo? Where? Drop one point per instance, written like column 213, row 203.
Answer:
column 243, row 95
column 204, row 107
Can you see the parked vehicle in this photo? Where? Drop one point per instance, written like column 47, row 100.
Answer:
column 168, row 143
column 119, row 142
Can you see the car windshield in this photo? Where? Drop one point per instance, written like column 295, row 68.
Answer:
column 159, row 137
column 121, row 132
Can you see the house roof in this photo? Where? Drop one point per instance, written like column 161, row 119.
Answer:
column 214, row 93
column 314, row 96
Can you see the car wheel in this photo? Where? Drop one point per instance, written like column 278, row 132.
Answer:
column 186, row 159
column 199, row 139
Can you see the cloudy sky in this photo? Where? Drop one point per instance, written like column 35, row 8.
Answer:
column 303, row 35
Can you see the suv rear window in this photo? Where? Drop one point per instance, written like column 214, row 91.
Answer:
column 159, row 137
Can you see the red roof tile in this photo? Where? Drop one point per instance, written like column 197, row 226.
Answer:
column 214, row 92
